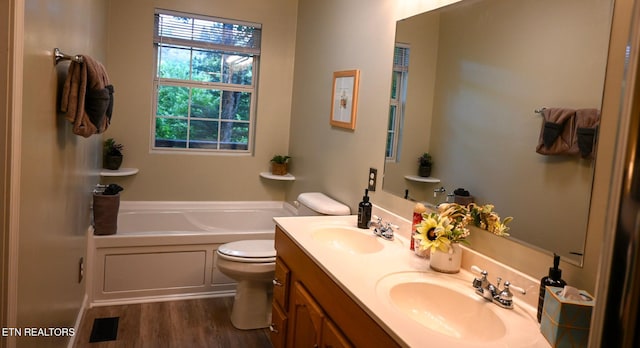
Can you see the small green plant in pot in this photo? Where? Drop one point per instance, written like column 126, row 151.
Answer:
column 112, row 154
column 424, row 165
column 279, row 165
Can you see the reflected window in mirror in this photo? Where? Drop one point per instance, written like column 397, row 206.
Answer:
column 398, row 100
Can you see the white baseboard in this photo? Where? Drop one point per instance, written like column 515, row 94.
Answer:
column 76, row 326
column 164, row 298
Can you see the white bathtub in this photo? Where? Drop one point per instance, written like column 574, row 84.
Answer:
column 166, row 250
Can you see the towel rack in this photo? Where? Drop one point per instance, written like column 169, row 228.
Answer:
column 59, row 56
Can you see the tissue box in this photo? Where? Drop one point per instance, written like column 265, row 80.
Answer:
column 565, row 322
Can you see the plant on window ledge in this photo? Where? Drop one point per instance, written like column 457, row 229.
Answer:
column 112, row 154
column 279, row 165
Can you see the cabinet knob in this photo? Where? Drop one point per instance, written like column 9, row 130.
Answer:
column 276, row 282
column 272, row 328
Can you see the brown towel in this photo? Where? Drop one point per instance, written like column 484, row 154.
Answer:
column 586, row 128
column 87, row 97
column 556, row 133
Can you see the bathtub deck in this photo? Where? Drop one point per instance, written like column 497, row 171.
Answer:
column 188, row 323
column 166, row 250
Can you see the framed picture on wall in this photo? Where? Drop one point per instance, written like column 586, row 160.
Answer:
column 344, row 99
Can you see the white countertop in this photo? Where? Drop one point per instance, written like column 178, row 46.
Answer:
column 360, row 276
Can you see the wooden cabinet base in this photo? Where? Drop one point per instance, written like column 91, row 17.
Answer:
column 317, row 309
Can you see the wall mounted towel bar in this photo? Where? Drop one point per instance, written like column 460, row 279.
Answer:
column 59, row 56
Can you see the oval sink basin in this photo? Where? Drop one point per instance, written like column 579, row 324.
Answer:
column 348, row 239
column 442, row 308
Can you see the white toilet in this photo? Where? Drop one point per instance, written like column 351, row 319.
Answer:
column 252, row 264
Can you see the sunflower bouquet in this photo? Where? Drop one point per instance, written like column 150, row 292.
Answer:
column 438, row 230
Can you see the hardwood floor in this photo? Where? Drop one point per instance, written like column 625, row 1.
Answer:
column 188, row 323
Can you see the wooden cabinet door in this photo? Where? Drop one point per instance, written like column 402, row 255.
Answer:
column 278, row 327
column 281, row 285
column 306, row 319
column 332, row 337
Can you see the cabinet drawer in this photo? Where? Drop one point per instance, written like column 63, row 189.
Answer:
column 281, row 285
column 278, row 327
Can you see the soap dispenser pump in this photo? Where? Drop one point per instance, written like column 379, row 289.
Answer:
column 364, row 211
column 553, row 279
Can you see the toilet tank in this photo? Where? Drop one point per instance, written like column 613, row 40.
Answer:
column 317, row 203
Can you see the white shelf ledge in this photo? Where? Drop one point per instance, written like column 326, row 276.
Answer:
column 286, row 177
column 416, row 178
column 119, row 172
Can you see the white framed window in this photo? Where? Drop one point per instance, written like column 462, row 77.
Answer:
column 397, row 102
column 205, row 83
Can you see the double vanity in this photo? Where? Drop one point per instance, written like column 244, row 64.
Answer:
column 340, row 286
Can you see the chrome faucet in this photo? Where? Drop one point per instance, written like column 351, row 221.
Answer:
column 381, row 228
column 490, row 292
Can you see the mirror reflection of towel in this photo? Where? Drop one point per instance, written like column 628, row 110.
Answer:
column 556, row 133
column 587, row 122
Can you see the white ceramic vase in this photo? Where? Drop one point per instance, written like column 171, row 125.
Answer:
column 416, row 249
column 447, row 261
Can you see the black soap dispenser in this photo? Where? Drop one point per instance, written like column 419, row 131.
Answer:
column 553, row 279
column 364, row 211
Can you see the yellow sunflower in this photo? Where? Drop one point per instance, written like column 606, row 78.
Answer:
column 434, row 232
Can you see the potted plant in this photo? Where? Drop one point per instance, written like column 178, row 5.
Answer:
column 279, row 165
column 424, row 165
column 112, row 154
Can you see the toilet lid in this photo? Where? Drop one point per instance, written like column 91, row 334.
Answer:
column 250, row 249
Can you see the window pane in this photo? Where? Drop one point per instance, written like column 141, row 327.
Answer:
column 205, row 103
column 234, row 136
column 392, row 118
column 173, row 62
column 204, row 134
column 173, row 26
column 236, row 105
column 389, row 152
column 171, row 132
column 206, row 66
column 173, row 101
column 201, row 32
column 204, row 81
column 391, row 132
column 238, row 69
column 394, row 85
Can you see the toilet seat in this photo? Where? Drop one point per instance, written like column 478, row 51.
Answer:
column 250, row 251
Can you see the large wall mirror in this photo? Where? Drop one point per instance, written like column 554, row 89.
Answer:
column 476, row 73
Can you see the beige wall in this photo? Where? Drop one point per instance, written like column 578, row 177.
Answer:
column 333, row 36
column 360, row 36
column 196, row 177
column 58, row 168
